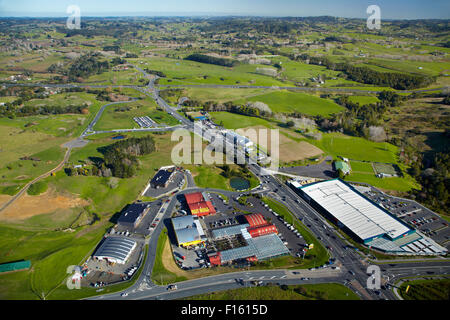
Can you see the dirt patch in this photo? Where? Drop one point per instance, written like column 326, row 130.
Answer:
column 28, row 206
column 289, row 149
column 169, row 263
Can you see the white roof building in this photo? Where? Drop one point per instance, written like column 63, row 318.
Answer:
column 115, row 249
column 354, row 211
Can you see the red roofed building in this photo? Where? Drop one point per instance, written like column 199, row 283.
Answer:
column 194, row 197
column 197, row 204
column 262, row 230
column 215, row 259
column 258, row 225
column 255, row 220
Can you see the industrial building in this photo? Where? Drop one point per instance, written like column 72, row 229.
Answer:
column 133, row 214
column 115, row 249
column 188, row 231
column 198, row 205
column 239, row 141
column 163, row 177
column 363, row 219
column 259, row 238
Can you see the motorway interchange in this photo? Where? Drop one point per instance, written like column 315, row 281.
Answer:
column 353, row 270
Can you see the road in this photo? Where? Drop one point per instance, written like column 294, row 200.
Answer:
column 348, row 259
column 42, row 176
column 215, row 86
column 80, row 142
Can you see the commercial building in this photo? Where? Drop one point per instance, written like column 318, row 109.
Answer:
column 343, row 166
column 163, row 177
column 188, row 231
column 364, row 220
column 15, row 266
column 239, row 141
column 115, row 249
column 259, row 238
column 133, row 214
column 198, row 205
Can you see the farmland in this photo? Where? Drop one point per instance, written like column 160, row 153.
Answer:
column 287, row 102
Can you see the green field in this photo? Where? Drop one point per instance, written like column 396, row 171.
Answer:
column 120, row 116
column 362, row 100
column 50, row 252
column 355, row 148
column 436, row 289
column 209, row 176
column 189, row 72
column 325, row 291
column 361, row 167
column 104, row 199
column 237, row 121
column 288, row 102
column 337, row 144
column 222, row 95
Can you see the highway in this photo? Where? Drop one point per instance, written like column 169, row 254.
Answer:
column 348, row 259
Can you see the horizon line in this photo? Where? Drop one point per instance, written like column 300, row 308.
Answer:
column 202, row 15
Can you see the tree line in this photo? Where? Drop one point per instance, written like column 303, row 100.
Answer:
column 399, row 81
column 119, row 159
column 203, row 58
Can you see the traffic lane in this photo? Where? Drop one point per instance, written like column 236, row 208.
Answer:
column 204, row 285
column 180, row 294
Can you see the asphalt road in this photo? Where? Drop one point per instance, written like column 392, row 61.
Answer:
column 348, row 259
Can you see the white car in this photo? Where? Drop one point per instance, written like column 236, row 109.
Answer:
column 124, row 294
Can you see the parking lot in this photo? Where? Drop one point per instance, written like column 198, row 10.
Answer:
column 143, row 227
column 190, row 259
column 145, row 122
column 231, row 214
column 101, row 272
column 415, row 215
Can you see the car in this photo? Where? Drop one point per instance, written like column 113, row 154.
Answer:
column 351, row 272
column 172, row 287
column 124, row 294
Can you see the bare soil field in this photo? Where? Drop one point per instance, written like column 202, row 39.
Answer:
column 28, row 206
column 289, row 150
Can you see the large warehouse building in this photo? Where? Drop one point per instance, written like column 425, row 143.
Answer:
column 115, row 249
column 188, row 231
column 363, row 219
column 198, row 205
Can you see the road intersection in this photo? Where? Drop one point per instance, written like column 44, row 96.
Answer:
column 353, row 264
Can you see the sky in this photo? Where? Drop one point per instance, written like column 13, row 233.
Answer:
column 393, row 9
